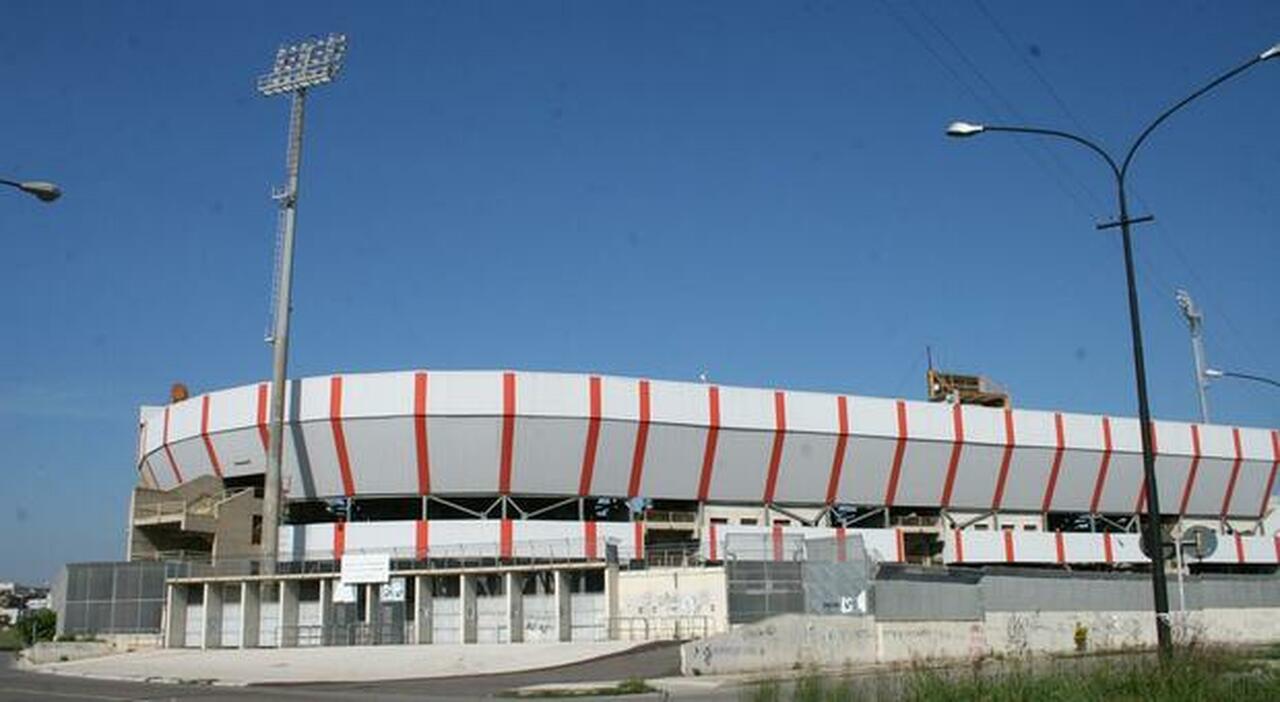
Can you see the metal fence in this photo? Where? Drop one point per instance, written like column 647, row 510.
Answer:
column 113, row 598
column 768, row 576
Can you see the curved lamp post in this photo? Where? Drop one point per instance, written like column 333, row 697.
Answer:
column 1216, row 373
column 1120, row 170
column 45, row 192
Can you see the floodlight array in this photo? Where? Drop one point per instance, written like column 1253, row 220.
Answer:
column 305, row 65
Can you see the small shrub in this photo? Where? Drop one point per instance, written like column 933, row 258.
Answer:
column 1081, row 637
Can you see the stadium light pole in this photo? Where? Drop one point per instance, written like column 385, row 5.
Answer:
column 297, row 68
column 39, row 189
column 1120, row 170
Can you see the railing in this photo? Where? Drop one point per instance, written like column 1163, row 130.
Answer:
column 201, row 504
column 675, row 627
column 158, row 510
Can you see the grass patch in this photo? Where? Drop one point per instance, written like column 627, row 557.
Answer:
column 1202, row 675
column 10, row 640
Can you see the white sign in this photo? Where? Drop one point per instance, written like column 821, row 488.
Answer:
column 366, row 568
column 392, row 591
column 345, row 594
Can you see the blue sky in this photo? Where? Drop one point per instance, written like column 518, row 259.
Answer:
column 758, row 190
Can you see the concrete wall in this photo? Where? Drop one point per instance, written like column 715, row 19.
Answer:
column 667, row 603
column 790, row 641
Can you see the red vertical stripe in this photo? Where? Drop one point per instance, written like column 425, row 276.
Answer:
column 1191, row 474
column 508, row 432
column 142, row 442
column 154, row 483
column 422, row 540
column 1102, row 467
column 204, row 434
column 1239, row 549
column 959, row 539
column 589, row 540
column 340, row 437
column 713, row 545
column 1235, row 473
column 505, row 539
column 642, row 441
column 1142, row 488
column 902, row 547
column 895, row 471
column 1008, row 546
column 593, row 436
column 998, row 496
column 709, row 450
column 339, row 540
column 1059, row 447
column 777, row 542
column 1107, row 553
column 842, row 545
column 421, row 451
column 779, row 435
column 842, row 441
column 177, row 472
column 1060, row 546
column 1277, row 545
column 957, row 443
column 639, row 539
column 1275, row 465
column 263, row 433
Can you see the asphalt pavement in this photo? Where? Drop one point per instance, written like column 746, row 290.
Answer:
column 654, row 661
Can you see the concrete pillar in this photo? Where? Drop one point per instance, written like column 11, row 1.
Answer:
column 564, row 606
column 515, row 606
column 175, row 616
column 611, row 601
column 211, row 628
column 373, row 612
column 326, row 611
column 288, row 631
column 424, row 605
column 469, row 612
column 250, row 613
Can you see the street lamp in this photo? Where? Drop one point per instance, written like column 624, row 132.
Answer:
column 43, row 191
column 1215, row 373
column 1120, row 170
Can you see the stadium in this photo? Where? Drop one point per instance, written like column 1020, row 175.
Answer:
column 511, row 506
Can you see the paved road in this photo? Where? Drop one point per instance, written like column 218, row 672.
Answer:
column 658, row 660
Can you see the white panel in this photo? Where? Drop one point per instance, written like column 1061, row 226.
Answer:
column 742, row 462
column 805, row 468
column 315, row 398
column 553, row 395
column 398, row 537
column 1260, row 549
column 812, row 412
column 930, row 421
column 983, row 425
column 320, row 456
column 620, row 398
column 1034, row 547
column 184, row 419
column 673, row 461
column 1127, row 548
column 383, row 455
column 1034, row 428
column 743, row 408
column 873, row 416
column 983, row 546
column 1083, row 548
column 614, row 452
column 1123, row 484
column 235, row 408
column 866, row 470
column 240, row 452
column 192, row 458
column 976, row 473
column 465, row 453
column 377, row 394
column 1255, row 444
column 881, row 544
column 466, row 393
column 1249, row 498
column 679, row 403
column 924, row 472
column 548, row 455
column 1028, row 476
column 1210, row 484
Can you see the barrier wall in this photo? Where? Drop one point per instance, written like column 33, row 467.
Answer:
column 968, row 546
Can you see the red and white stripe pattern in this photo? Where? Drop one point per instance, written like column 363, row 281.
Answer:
column 1029, row 547
column 479, row 432
column 780, row 542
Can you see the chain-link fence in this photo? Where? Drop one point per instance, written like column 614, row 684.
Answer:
column 771, row 574
column 113, row 598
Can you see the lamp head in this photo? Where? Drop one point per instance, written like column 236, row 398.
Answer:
column 964, row 129
column 1212, row 373
column 45, row 192
column 1270, row 53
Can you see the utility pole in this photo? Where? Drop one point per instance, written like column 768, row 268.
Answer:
column 297, row 68
column 1195, row 322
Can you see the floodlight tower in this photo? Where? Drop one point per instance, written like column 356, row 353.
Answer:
column 297, row 68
